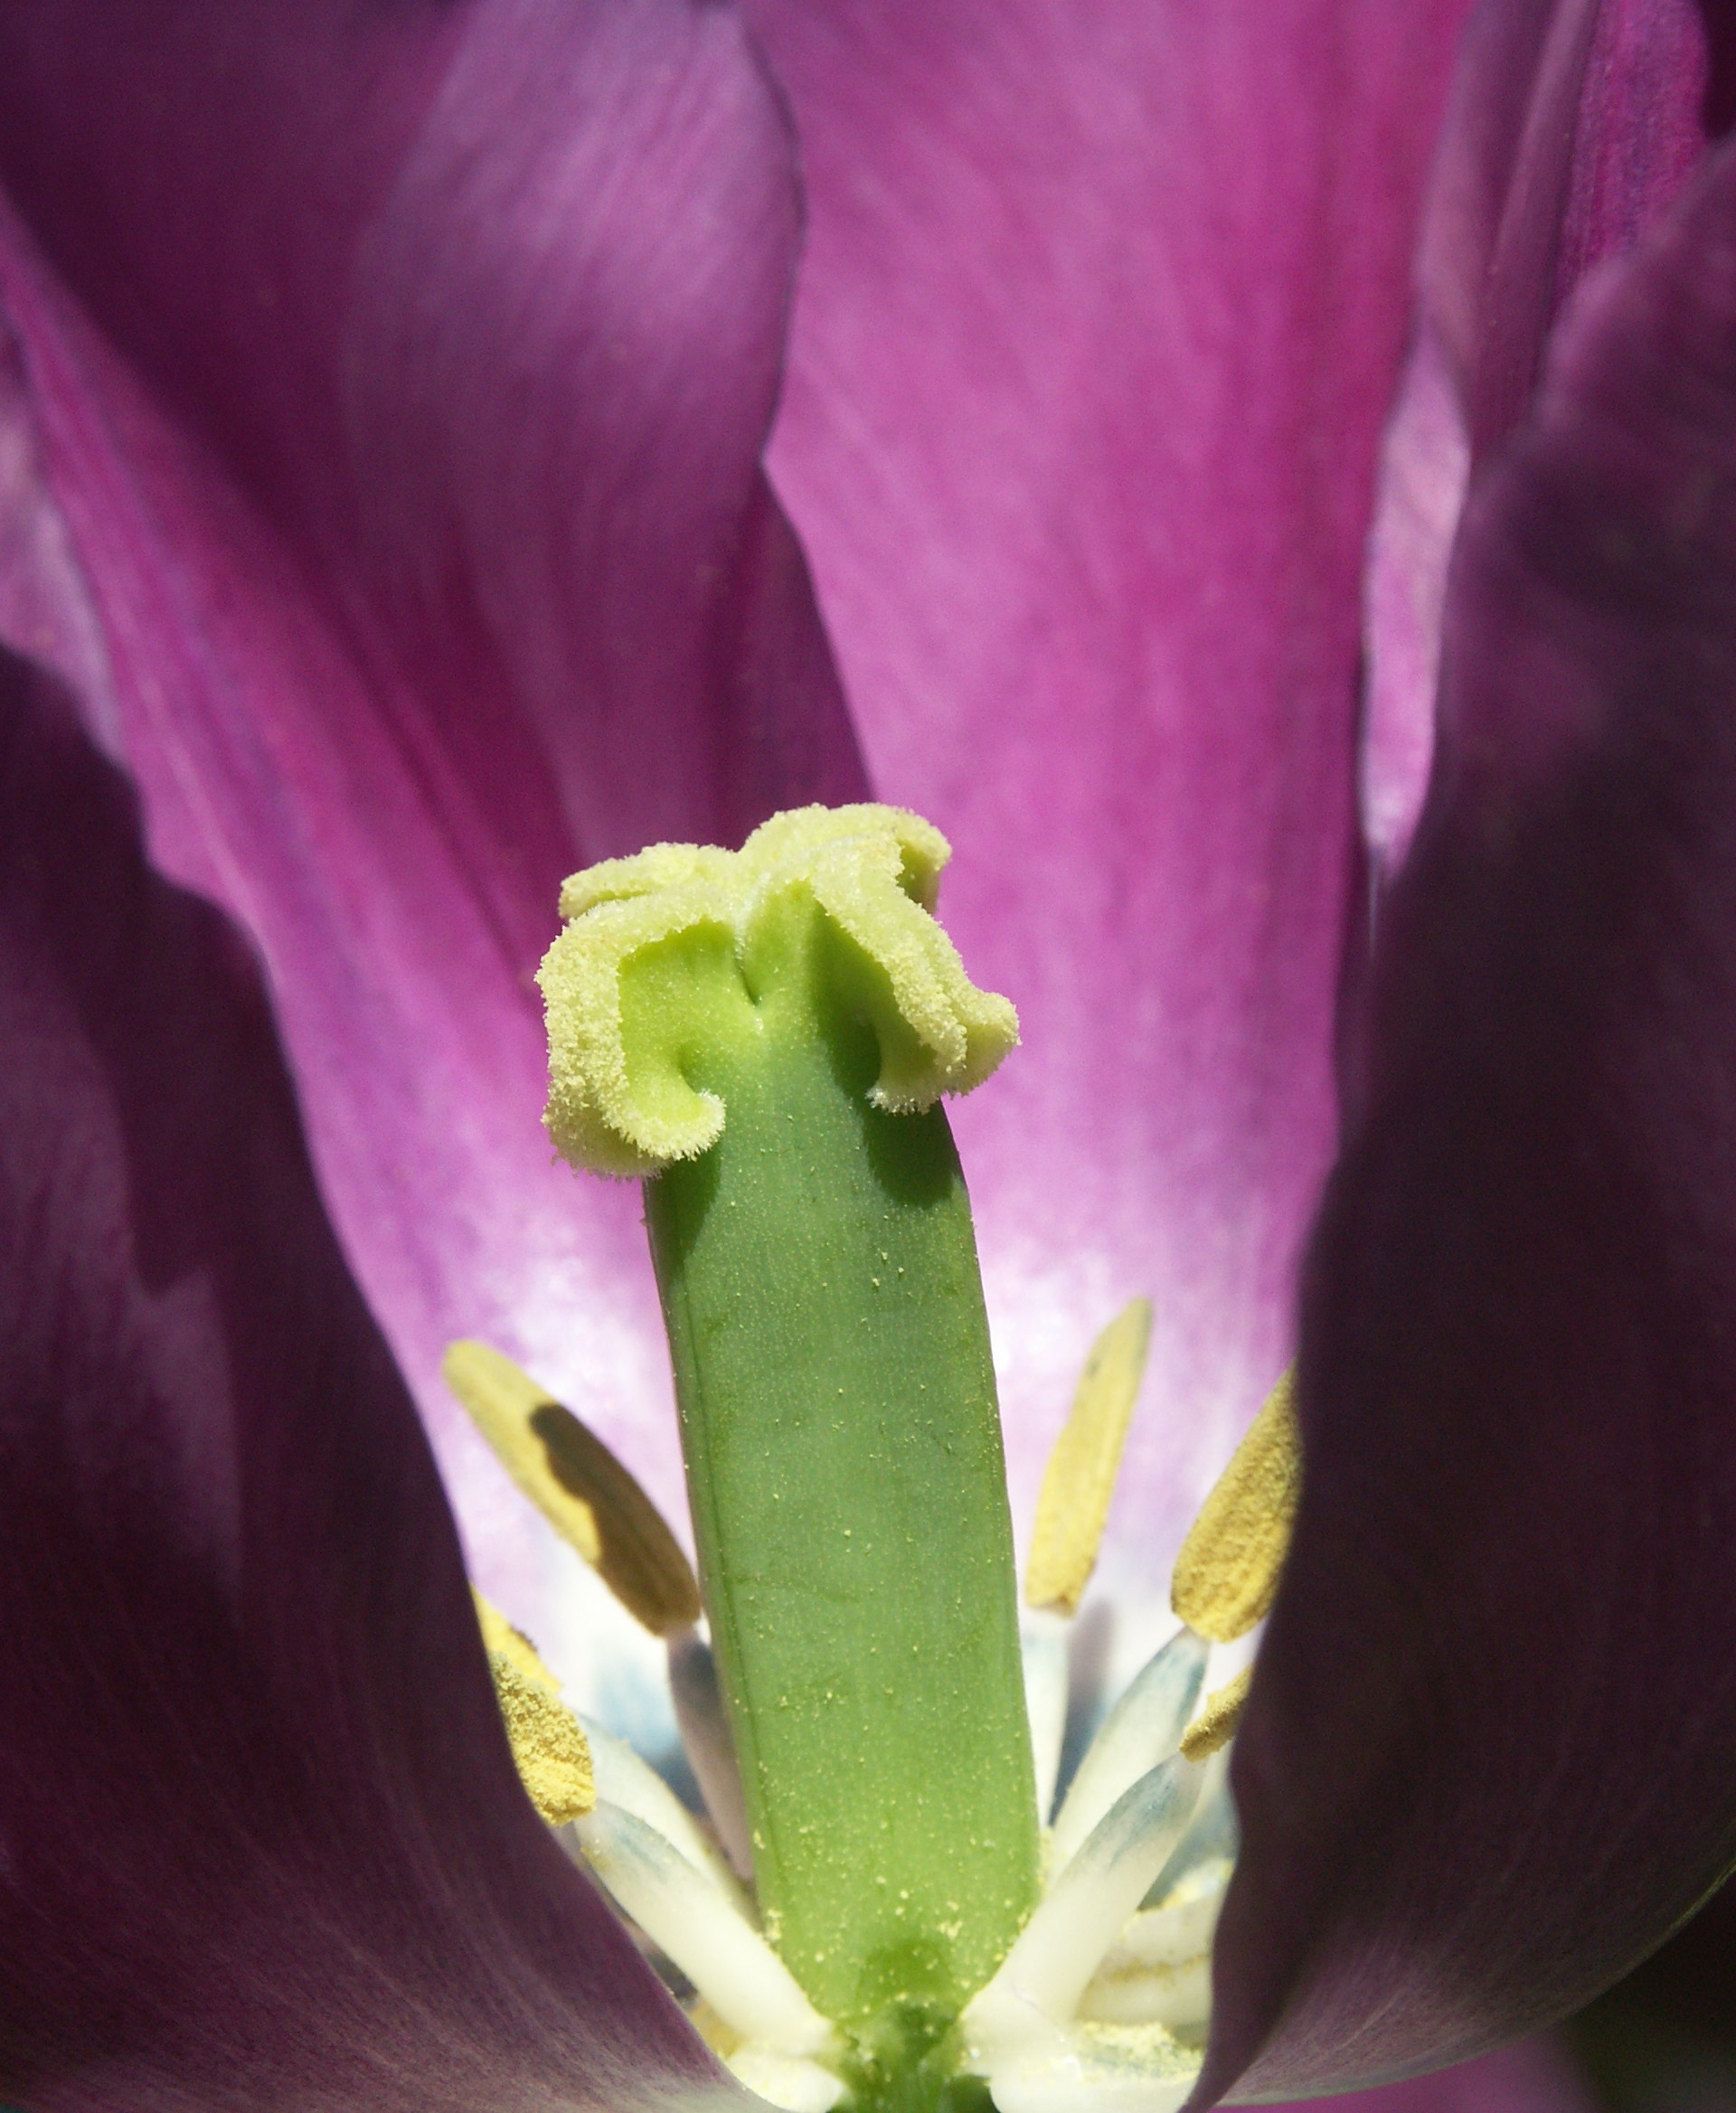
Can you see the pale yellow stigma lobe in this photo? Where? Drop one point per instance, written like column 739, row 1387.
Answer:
column 1227, row 1573
column 578, row 1485
column 1215, row 1724
column 653, row 959
column 548, row 1749
column 1074, row 1505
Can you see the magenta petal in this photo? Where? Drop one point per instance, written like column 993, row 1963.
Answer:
column 1488, row 1763
column 381, row 437
column 263, row 1844
column 1099, row 314
column 1572, row 125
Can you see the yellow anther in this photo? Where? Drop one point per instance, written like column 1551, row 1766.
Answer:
column 1216, row 1724
column 651, row 964
column 500, row 1639
column 1073, row 1505
column 578, row 1485
column 548, row 1749
column 1228, row 1570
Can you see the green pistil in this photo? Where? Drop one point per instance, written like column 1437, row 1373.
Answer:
column 773, row 1030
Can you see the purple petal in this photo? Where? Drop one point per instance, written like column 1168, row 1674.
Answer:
column 1534, row 2077
column 1099, row 314
column 262, row 1842
column 1487, row 1766
column 1572, row 125
column 380, row 438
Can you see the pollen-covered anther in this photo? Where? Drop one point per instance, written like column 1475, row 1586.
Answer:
column 1216, row 1724
column 584, row 1491
column 1073, row 1506
column 1227, row 1573
column 654, row 960
column 548, row 1749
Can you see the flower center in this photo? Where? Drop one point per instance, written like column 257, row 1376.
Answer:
column 764, row 1037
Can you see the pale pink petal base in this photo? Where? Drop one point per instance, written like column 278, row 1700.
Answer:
column 1099, row 314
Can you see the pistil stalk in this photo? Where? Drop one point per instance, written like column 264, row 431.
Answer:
column 765, row 1035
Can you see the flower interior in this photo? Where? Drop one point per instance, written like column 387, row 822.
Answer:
column 883, row 1903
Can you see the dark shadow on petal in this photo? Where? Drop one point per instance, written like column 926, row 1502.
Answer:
column 1664, row 2040
column 1490, row 1758
column 1720, row 77
column 261, row 1841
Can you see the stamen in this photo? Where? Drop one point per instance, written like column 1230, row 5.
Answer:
column 687, row 1918
column 500, row 1638
column 548, row 1749
column 1158, row 1970
column 1227, row 1573
column 1216, row 1724
column 1043, row 1637
column 1064, row 1943
column 1143, row 1728
column 705, row 1735
column 578, row 1485
column 1080, row 1479
column 1206, row 1852
column 625, row 1781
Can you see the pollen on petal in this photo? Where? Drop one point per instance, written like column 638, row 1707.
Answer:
column 1227, row 1573
column 652, row 964
column 578, row 1485
column 1215, row 1724
column 549, row 1748
column 1074, row 1505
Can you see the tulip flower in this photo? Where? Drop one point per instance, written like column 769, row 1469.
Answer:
column 417, row 424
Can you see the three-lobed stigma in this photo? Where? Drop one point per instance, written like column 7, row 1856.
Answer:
column 666, row 950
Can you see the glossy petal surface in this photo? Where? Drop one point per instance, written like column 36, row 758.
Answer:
column 1099, row 319
column 383, row 414
column 263, row 1841
column 1511, row 1613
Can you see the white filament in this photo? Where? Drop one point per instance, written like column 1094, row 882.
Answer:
column 1045, row 1975
column 1158, row 1971
column 688, row 1918
column 1210, row 1841
column 710, row 1751
column 1042, row 1644
column 785, row 2080
column 1143, row 1728
column 623, row 1779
